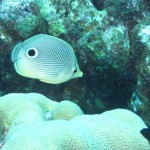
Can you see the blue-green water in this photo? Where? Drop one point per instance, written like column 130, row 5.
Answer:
column 110, row 40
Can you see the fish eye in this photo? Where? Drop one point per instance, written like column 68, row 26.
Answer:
column 32, row 53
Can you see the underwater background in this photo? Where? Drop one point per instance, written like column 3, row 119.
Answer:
column 111, row 40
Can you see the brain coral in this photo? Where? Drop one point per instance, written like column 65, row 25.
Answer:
column 66, row 110
column 107, row 131
column 16, row 108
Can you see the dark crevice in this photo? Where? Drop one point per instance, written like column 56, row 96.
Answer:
column 98, row 4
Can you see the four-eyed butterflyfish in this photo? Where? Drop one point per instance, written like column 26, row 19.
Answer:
column 46, row 58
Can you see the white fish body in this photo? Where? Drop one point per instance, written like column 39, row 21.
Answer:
column 46, row 58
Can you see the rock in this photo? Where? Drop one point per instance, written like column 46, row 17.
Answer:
column 129, row 11
column 20, row 18
column 141, row 34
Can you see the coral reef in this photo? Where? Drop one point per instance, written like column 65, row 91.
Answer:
column 20, row 18
column 116, row 129
column 110, row 39
column 18, row 108
column 66, row 110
